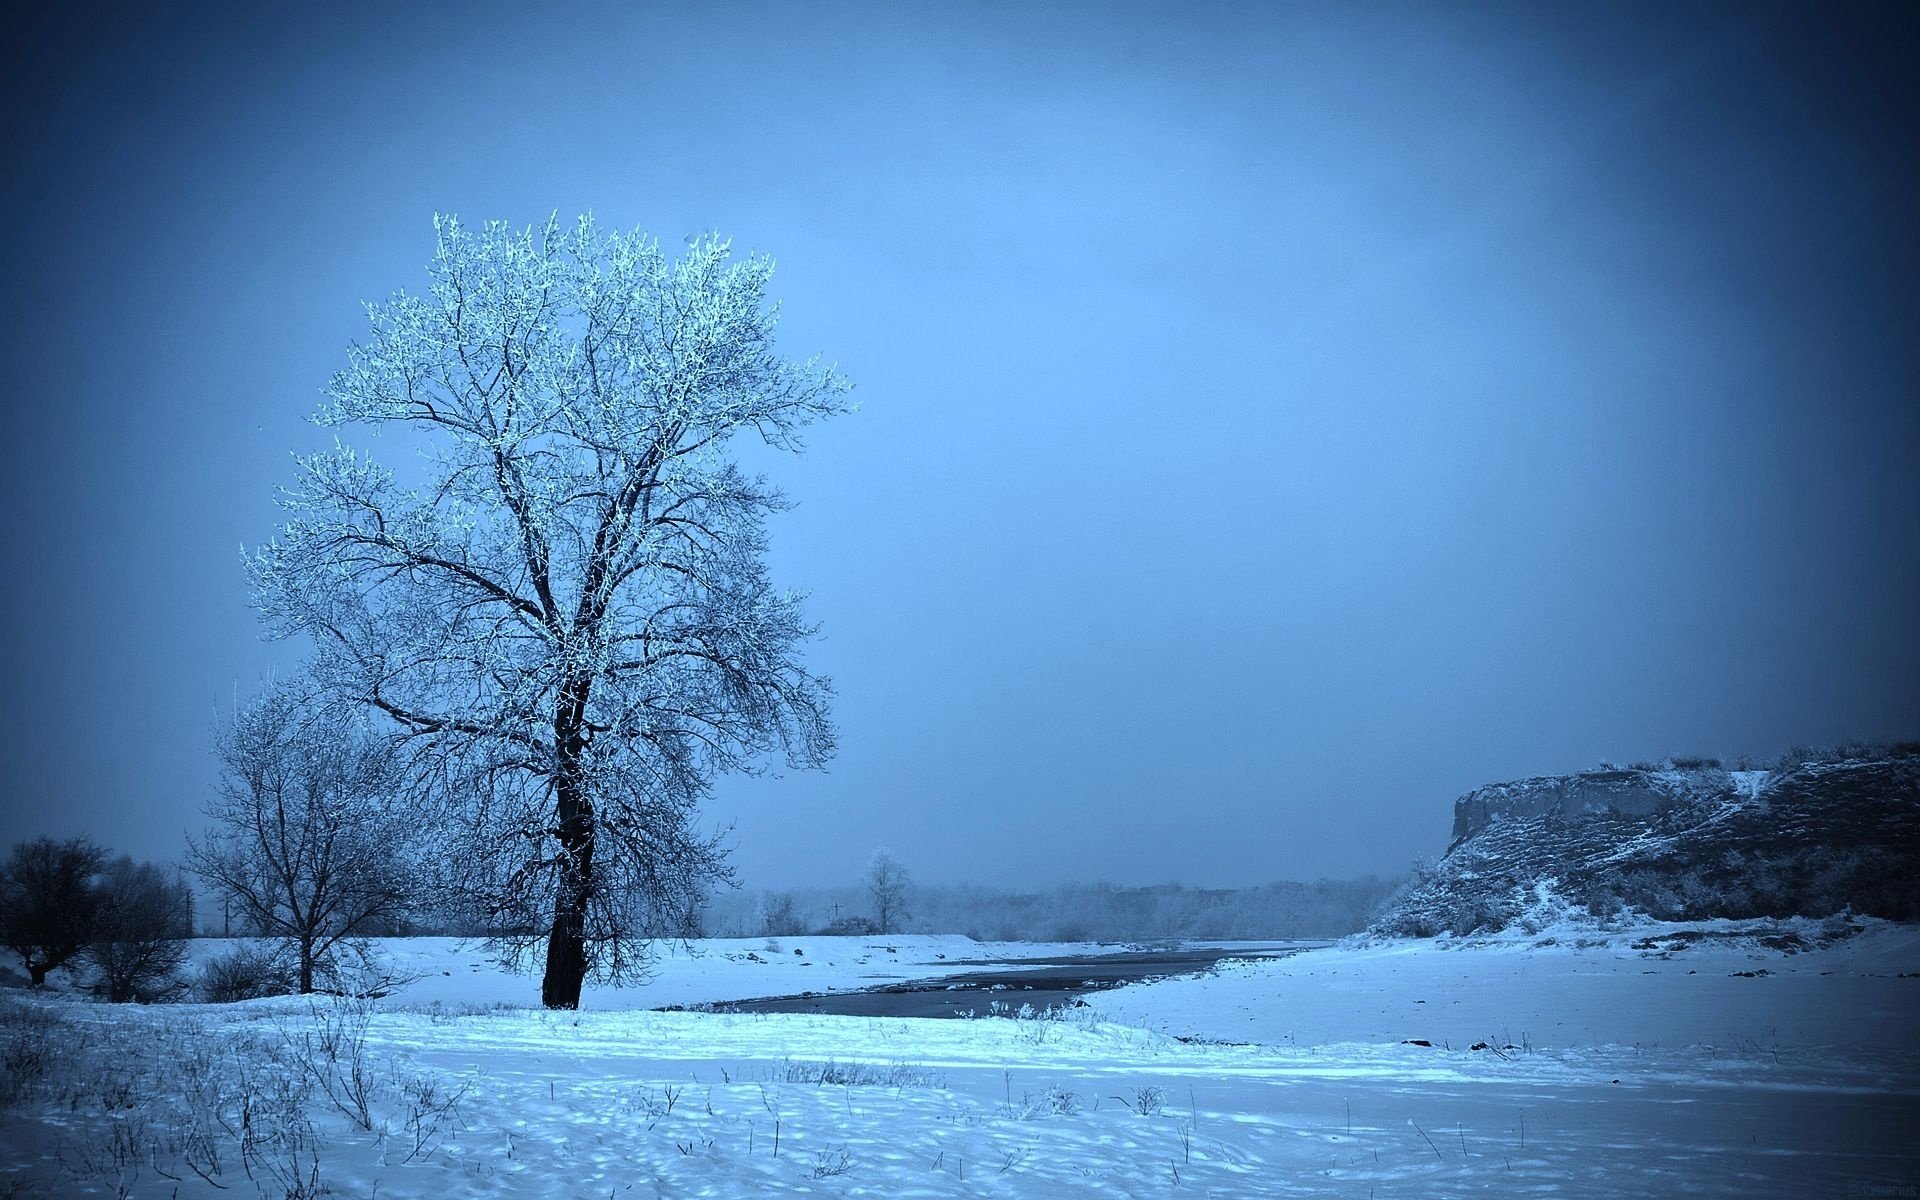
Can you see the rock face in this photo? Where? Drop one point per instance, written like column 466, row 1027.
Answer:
column 1825, row 836
column 1630, row 793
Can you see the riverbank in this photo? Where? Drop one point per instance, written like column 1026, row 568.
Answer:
column 460, row 972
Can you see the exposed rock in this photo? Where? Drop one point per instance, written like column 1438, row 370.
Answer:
column 1822, row 837
column 1633, row 793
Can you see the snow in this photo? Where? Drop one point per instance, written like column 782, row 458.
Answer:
column 1563, row 989
column 450, row 971
column 1621, row 1066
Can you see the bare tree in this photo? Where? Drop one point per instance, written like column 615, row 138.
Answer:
column 307, row 842
column 138, row 933
column 568, row 619
column 887, row 884
column 47, row 902
column 778, row 915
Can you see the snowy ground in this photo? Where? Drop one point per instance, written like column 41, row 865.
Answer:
column 707, row 971
column 1632, row 1072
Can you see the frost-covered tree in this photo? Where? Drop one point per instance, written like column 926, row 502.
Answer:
column 308, row 842
column 565, row 611
column 887, row 885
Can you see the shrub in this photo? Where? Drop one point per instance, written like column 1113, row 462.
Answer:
column 1688, row 762
column 893, row 1075
column 35, row 1042
column 1145, row 1101
column 1800, row 756
column 246, row 972
column 1056, row 1101
column 850, row 927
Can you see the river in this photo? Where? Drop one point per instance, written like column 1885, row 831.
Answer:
column 1041, row 982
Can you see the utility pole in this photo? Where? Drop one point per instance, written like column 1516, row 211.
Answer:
column 186, row 900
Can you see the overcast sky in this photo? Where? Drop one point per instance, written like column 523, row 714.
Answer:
column 1277, row 420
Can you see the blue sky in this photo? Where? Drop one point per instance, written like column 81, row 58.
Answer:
column 1276, row 420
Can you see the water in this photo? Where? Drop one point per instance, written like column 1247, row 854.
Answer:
column 1041, row 982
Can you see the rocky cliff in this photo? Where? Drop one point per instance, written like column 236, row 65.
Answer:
column 1630, row 793
column 1814, row 838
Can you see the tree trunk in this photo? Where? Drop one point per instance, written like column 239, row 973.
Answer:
column 567, row 941
column 38, row 973
column 566, row 950
column 306, row 968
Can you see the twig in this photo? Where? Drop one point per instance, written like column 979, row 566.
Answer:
column 1423, row 1133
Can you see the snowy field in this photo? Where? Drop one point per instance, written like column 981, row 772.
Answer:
column 1636, row 1064
column 711, row 970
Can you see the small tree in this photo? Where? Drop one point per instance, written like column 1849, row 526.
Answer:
column 138, row 932
column 47, row 902
column 887, row 885
column 307, row 842
column 781, row 917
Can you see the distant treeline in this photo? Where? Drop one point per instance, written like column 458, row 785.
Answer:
column 1326, row 908
column 1070, row 913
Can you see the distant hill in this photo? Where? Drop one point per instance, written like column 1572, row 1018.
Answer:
column 1821, row 833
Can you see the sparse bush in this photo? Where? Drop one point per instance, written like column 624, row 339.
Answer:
column 1035, row 1026
column 1145, row 1101
column 837, row 1160
column 431, row 1109
column 135, row 1100
column 36, row 1043
column 1482, row 914
column 333, row 1055
column 1687, row 762
column 1856, row 748
column 894, row 1075
column 650, row 1104
column 1055, row 1101
column 850, row 927
column 246, row 972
